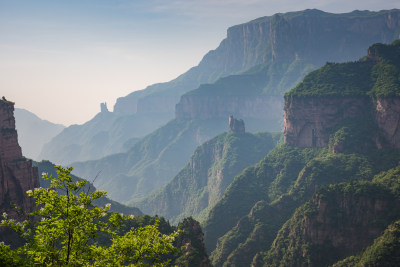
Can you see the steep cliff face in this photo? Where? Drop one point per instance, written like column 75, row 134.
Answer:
column 388, row 120
column 276, row 52
column 16, row 173
column 335, row 103
column 311, row 35
column 308, row 120
column 338, row 222
column 286, row 47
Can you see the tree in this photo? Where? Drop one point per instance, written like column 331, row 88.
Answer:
column 63, row 231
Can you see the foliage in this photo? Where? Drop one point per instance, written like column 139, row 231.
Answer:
column 287, row 178
column 151, row 162
column 202, row 182
column 270, row 78
column 63, row 230
column 259, row 227
column 46, row 166
column 266, row 180
column 190, row 240
column 385, row 251
column 346, row 218
column 377, row 76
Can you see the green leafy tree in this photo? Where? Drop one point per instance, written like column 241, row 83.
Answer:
column 63, row 231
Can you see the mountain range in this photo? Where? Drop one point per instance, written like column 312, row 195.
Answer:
column 325, row 193
column 263, row 58
column 255, row 94
column 33, row 132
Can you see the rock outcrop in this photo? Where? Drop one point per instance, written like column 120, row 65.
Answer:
column 338, row 102
column 387, row 117
column 236, row 125
column 16, row 173
column 308, row 120
column 103, row 107
column 337, row 222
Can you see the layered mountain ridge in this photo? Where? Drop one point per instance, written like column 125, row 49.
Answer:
column 323, row 200
column 279, row 50
column 33, row 132
column 289, row 46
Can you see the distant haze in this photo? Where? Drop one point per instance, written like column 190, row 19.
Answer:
column 61, row 59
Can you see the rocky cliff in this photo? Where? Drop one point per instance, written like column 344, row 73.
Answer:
column 286, row 47
column 308, row 120
column 270, row 55
column 336, row 223
column 311, row 35
column 387, row 117
column 334, row 102
column 16, row 173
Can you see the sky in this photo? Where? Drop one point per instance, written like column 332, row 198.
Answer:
column 61, row 58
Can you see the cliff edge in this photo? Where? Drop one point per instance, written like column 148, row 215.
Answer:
column 338, row 103
column 16, row 173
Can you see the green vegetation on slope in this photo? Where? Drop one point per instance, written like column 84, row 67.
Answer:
column 259, row 227
column 377, row 75
column 384, row 252
column 339, row 221
column 278, row 169
column 48, row 167
column 152, row 162
column 261, row 199
column 201, row 183
column 271, row 78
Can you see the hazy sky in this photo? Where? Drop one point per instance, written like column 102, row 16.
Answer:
column 60, row 59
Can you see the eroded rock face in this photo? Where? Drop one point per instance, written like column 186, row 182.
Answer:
column 388, row 120
column 333, row 225
column 16, row 173
column 308, row 119
column 236, row 125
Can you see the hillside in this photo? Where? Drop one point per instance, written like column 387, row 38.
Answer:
column 33, row 132
column 107, row 133
column 348, row 99
column 326, row 197
column 279, row 49
column 202, row 182
column 48, row 167
column 153, row 161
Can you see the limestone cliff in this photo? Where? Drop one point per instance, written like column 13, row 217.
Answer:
column 338, row 102
column 16, row 173
column 311, row 35
column 278, row 52
column 388, row 119
column 308, row 120
column 337, row 222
